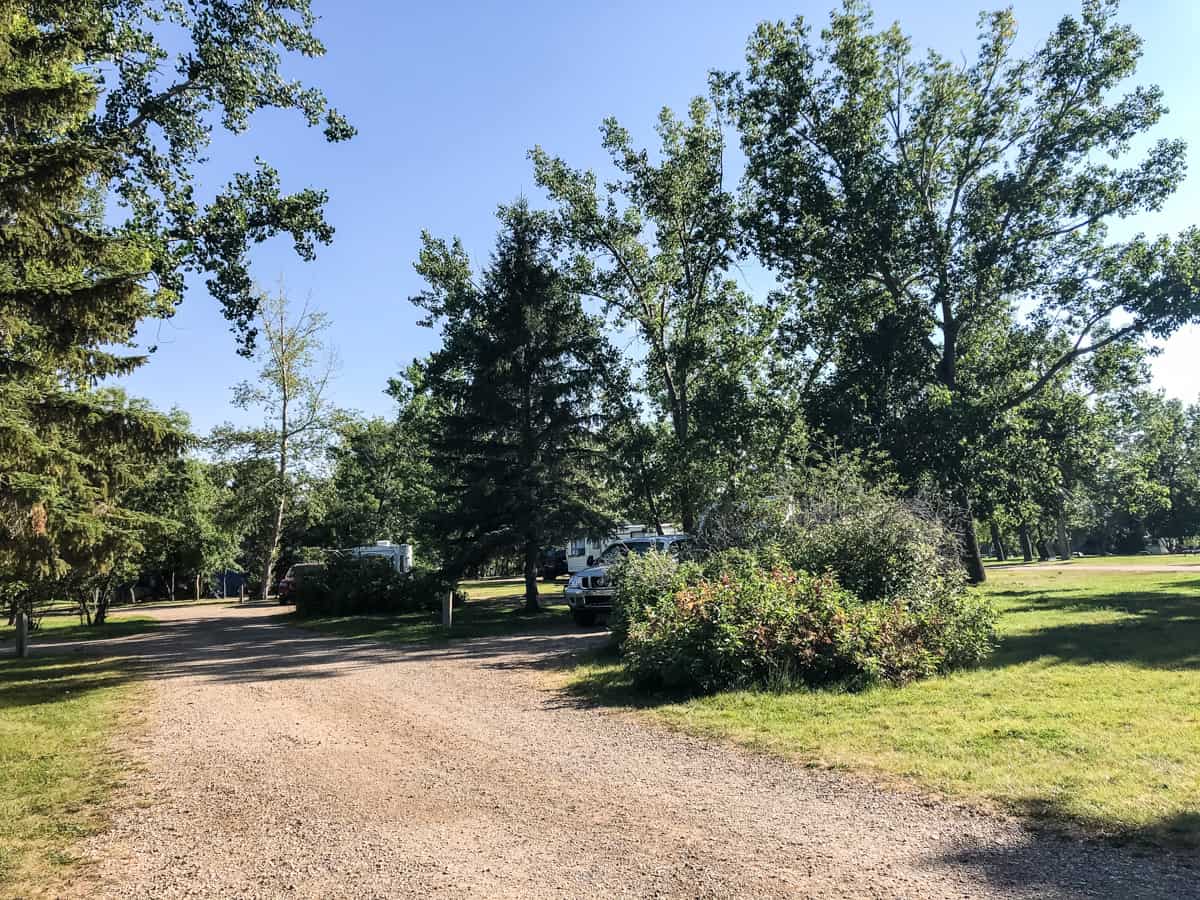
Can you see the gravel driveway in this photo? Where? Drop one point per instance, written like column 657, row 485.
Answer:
column 280, row 763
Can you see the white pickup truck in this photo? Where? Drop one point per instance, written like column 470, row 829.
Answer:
column 590, row 591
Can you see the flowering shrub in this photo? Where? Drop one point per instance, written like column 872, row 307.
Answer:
column 740, row 619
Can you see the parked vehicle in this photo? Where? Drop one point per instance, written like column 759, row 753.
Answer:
column 292, row 578
column 589, row 593
column 553, row 563
column 583, row 548
column 400, row 555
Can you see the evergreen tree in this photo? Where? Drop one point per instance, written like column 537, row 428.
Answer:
column 519, row 380
column 69, row 289
column 90, row 115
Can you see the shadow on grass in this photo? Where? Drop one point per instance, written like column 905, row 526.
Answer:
column 1159, row 627
column 50, row 679
column 62, row 630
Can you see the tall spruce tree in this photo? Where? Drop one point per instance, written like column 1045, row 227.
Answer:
column 102, row 130
column 519, row 378
column 69, row 288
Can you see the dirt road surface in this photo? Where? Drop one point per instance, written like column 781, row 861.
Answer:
column 281, row 763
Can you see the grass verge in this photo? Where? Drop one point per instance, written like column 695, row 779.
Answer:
column 1087, row 714
column 495, row 608
column 58, row 718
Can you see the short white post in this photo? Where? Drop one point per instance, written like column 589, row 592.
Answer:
column 448, row 608
column 22, row 635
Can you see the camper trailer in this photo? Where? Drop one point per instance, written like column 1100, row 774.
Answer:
column 400, row 555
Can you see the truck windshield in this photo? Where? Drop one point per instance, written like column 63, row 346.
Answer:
column 617, row 551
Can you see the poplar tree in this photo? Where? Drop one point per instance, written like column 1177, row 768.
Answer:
column 958, row 212
column 298, row 419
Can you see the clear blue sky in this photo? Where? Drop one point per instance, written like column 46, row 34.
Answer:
column 448, row 97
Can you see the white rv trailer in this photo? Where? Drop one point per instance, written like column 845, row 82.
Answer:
column 583, row 547
column 400, row 555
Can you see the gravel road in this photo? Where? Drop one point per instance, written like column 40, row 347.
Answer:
column 281, row 763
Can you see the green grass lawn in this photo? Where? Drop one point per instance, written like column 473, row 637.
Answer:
column 495, row 607
column 67, row 628
column 1087, row 713
column 58, row 718
column 1168, row 559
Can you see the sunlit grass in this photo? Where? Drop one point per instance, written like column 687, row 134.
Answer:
column 1088, row 712
column 1168, row 559
column 69, row 628
column 58, row 718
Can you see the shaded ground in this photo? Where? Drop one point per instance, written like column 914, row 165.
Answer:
column 285, row 763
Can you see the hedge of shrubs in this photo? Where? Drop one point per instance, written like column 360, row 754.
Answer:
column 738, row 620
column 869, row 592
column 347, row 586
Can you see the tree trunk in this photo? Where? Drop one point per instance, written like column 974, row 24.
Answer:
column 531, row 571
column 648, row 493
column 1043, row 550
column 1026, row 543
column 172, row 585
column 997, row 542
column 976, row 573
column 1064, row 538
column 272, row 549
column 197, row 586
column 101, row 602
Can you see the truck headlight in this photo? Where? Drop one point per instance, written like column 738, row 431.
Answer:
column 575, row 581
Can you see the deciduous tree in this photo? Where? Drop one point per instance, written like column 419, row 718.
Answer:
column 968, row 202
column 291, row 394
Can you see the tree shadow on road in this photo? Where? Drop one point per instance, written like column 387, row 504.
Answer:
column 1126, row 864
column 249, row 643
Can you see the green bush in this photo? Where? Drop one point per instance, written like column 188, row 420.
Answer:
column 741, row 619
column 368, row 586
column 882, row 548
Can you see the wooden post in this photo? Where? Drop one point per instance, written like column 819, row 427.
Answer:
column 22, row 635
column 242, row 593
column 448, row 608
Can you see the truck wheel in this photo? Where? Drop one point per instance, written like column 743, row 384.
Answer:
column 584, row 617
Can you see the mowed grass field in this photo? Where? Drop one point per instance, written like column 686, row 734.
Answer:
column 1088, row 713
column 1141, row 560
column 495, row 606
column 59, row 716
